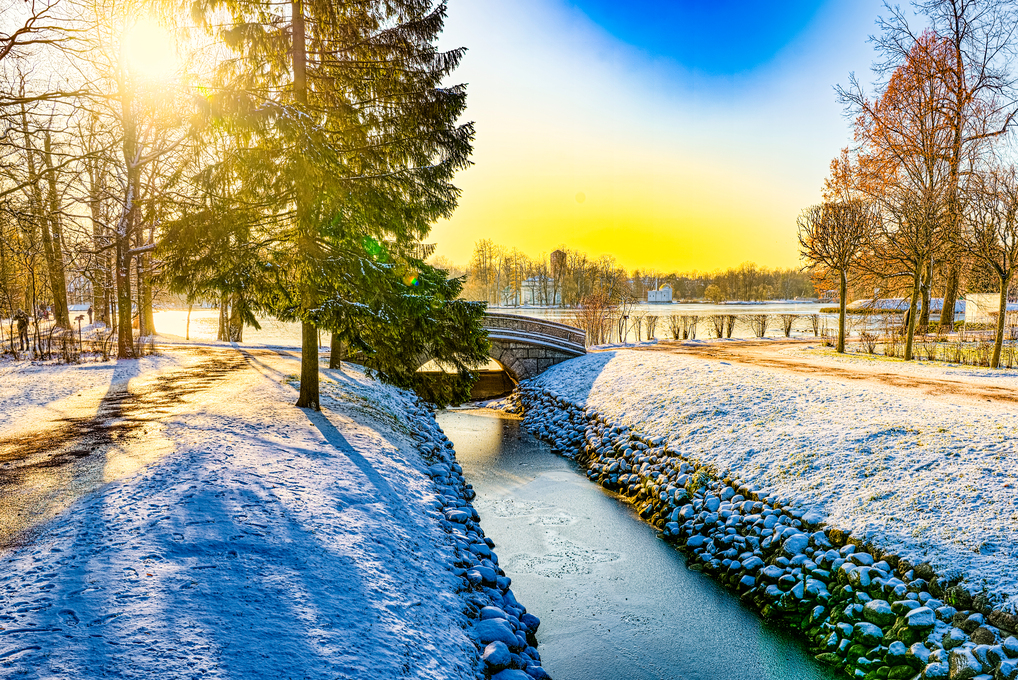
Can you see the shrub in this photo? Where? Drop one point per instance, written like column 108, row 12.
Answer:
column 689, row 327
column 675, row 327
column 869, row 342
column 717, row 325
column 758, row 322
column 786, row 323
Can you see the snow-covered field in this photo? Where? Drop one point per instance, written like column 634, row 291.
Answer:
column 933, row 480
column 172, row 324
column 271, row 543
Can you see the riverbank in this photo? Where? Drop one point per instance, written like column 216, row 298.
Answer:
column 928, row 485
column 252, row 539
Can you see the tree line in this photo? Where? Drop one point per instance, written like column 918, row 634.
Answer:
column 287, row 161
column 500, row 275
column 922, row 203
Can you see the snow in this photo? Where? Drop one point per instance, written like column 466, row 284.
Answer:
column 929, row 479
column 171, row 325
column 34, row 392
column 271, row 542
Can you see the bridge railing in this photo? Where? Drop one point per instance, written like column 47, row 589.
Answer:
column 540, row 331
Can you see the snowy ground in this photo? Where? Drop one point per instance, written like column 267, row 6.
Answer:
column 269, row 542
column 934, row 480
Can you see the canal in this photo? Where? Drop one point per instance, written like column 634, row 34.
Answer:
column 615, row 601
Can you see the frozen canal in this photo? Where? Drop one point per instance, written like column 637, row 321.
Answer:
column 614, row 600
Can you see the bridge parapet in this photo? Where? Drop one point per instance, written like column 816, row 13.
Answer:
column 527, row 346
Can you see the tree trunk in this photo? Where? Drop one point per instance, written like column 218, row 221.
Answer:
column 187, row 328
column 125, row 334
column 927, row 289
column 236, row 324
column 53, row 233
column 223, row 335
column 842, row 312
column 998, row 340
column 950, row 298
column 910, row 330
column 145, row 313
column 336, row 352
column 309, row 396
column 139, row 280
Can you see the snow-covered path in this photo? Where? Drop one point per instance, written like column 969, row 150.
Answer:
column 270, row 542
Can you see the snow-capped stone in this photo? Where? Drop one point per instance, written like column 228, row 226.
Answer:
column 867, row 634
column 511, row 674
column 918, row 652
column 497, row 630
column 922, row 617
column 795, row 545
column 878, row 612
column 496, row 656
column 963, row 665
column 490, row 612
column 955, row 637
column 1008, row 670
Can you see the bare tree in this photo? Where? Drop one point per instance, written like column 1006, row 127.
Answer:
column 973, row 56
column 990, row 233
column 833, row 235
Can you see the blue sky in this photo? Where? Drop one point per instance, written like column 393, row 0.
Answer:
column 674, row 136
column 715, row 37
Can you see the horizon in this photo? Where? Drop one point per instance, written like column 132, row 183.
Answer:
column 736, row 130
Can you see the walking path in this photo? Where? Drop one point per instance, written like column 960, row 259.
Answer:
column 240, row 537
column 936, row 380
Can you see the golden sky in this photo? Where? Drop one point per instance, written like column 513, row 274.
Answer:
column 590, row 142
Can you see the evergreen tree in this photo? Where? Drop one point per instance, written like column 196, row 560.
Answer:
column 344, row 139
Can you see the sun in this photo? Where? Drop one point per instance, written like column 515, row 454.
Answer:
column 149, row 50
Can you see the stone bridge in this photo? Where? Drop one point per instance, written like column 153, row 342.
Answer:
column 527, row 346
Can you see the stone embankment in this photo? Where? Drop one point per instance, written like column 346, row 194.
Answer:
column 860, row 609
column 503, row 630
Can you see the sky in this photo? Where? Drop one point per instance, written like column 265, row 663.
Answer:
column 675, row 135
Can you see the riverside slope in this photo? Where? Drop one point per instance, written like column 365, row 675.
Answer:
column 932, row 481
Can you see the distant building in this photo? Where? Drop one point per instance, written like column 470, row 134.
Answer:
column 661, row 295
column 539, row 291
column 558, row 262
column 985, row 308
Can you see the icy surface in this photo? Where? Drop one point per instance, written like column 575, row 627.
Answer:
column 273, row 543
column 933, row 480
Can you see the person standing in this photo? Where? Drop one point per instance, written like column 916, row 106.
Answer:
column 22, row 319
column 90, row 315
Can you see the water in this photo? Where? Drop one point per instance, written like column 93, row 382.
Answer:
column 802, row 327
column 615, row 601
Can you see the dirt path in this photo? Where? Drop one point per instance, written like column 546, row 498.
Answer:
column 933, row 382
column 45, row 469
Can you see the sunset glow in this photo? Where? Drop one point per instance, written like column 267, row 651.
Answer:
column 689, row 153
